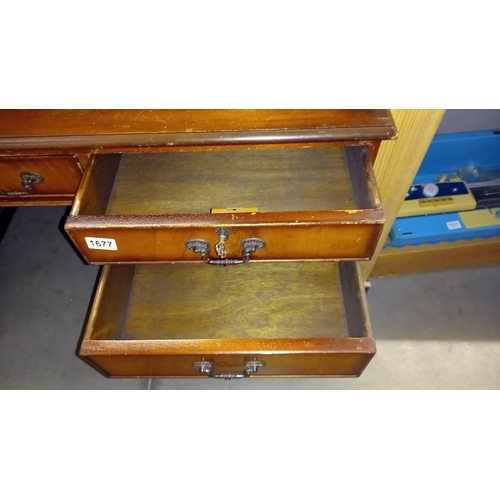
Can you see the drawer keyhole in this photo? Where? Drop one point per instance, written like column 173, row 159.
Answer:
column 202, row 247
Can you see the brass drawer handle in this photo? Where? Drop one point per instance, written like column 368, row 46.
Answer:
column 28, row 180
column 248, row 245
column 207, row 368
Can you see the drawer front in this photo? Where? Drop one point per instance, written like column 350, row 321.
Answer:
column 317, row 203
column 168, row 244
column 292, row 319
column 347, row 364
column 39, row 180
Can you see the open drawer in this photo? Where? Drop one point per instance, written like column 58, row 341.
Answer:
column 291, row 319
column 291, row 203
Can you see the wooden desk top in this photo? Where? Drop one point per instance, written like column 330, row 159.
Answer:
column 97, row 129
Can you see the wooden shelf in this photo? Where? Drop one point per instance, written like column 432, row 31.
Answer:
column 398, row 162
column 437, row 257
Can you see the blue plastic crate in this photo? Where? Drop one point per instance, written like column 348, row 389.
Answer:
column 472, row 156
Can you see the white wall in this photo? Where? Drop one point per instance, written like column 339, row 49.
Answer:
column 467, row 120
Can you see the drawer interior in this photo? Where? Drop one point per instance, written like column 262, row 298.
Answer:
column 292, row 300
column 303, row 179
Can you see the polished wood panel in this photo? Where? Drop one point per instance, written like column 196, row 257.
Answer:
column 25, row 129
column 293, row 316
column 61, row 176
column 156, row 241
column 347, row 361
column 96, row 186
column 35, row 200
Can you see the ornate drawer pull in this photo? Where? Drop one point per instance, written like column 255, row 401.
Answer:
column 28, row 180
column 249, row 246
column 207, row 368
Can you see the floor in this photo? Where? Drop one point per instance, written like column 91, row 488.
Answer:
column 433, row 331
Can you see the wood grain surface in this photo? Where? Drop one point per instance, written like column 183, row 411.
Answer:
column 61, row 174
column 398, row 162
column 289, row 300
column 292, row 316
column 306, row 205
column 82, row 122
column 347, row 358
column 154, row 241
column 435, row 257
column 273, row 180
